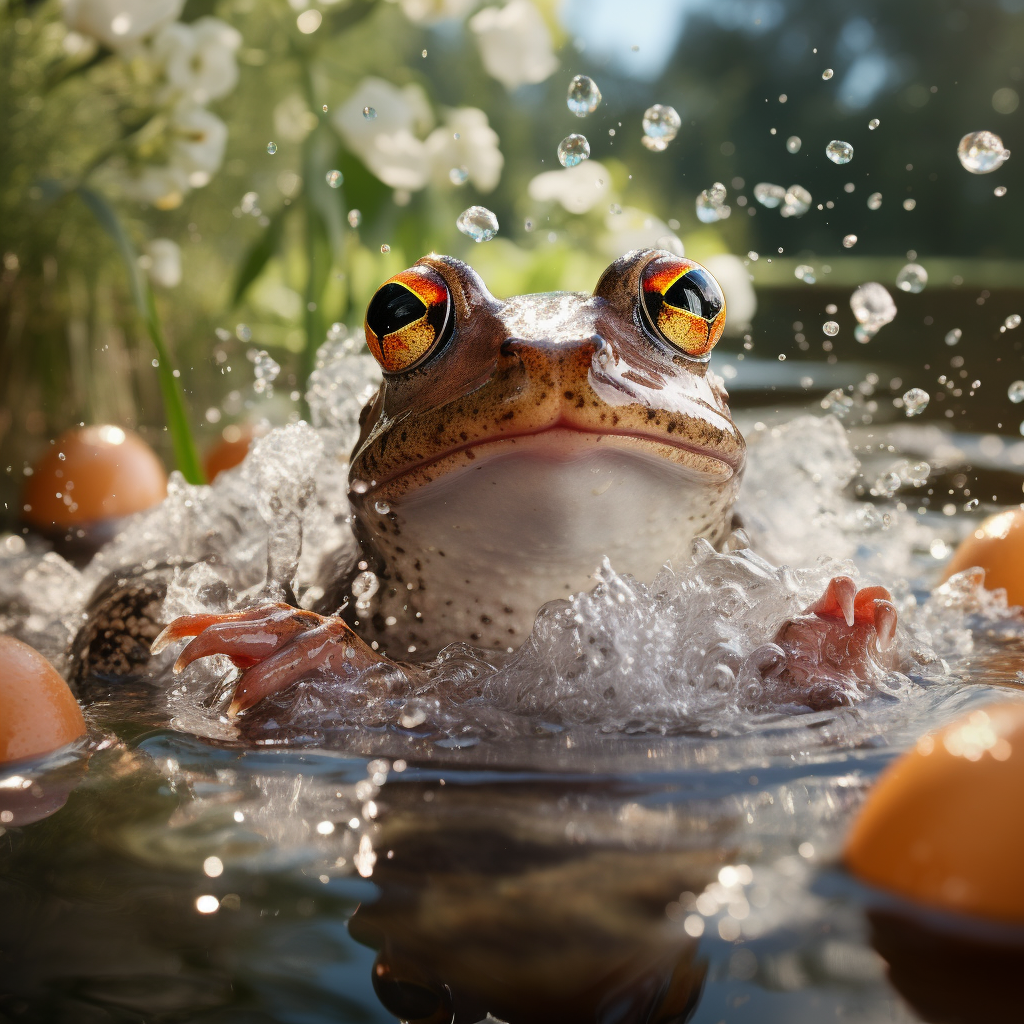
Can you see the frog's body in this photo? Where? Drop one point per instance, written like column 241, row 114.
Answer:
column 511, row 447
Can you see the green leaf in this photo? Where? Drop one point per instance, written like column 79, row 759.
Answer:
column 256, row 258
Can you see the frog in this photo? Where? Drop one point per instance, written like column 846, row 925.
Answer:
column 513, row 447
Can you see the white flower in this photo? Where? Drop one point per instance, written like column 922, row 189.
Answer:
column 198, row 140
column 578, row 188
column 293, row 120
column 118, row 23
column 475, row 150
column 428, row 11
column 162, row 262
column 199, row 59
column 386, row 142
column 515, row 44
column 637, row 229
column 163, row 187
column 740, row 300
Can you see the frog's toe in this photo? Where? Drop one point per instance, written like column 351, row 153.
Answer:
column 870, row 607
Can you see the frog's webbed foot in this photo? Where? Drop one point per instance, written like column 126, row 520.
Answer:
column 274, row 645
column 841, row 644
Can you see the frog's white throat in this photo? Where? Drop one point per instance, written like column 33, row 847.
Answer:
column 473, row 555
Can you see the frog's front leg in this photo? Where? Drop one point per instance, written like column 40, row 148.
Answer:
column 274, row 645
column 841, row 645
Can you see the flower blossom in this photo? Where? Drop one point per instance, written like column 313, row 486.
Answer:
column 631, row 228
column 198, row 140
column 119, row 23
column 515, row 44
column 578, row 188
column 161, row 260
column 426, row 12
column 198, row 59
column 467, row 143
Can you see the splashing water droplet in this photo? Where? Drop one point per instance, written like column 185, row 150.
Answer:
column 827, row 74
column 873, row 123
column 369, row 113
column 953, row 336
column 769, row 195
column 335, row 179
column 661, row 122
column 653, row 144
column 355, row 218
column 325, row 108
column 839, row 152
column 909, row 204
column 849, row 241
column 982, row 152
column 873, row 307
column 385, row 248
column 584, row 96
column 710, row 205
column 478, row 222
column 804, row 273
column 1012, row 321
column 573, row 150
column 271, row 148
column 830, row 327
column 381, row 507
column 793, row 143
column 875, row 201
column 796, row 202
column 912, row 278
column 458, row 175
column 1015, row 392
column 999, row 191
column 915, row 401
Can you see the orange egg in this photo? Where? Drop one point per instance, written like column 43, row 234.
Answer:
column 998, row 547
column 229, row 451
column 944, row 826
column 38, row 713
column 91, row 474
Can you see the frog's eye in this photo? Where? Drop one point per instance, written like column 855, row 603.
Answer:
column 683, row 303
column 407, row 318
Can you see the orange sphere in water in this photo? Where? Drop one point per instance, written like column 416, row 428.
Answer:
column 38, row 713
column 91, row 474
column 229, row 451
column 998, row 547
column 945, row 824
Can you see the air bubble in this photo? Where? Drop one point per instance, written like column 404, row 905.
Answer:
column 830, row 327
column 710, row 204
column 661, row 122
column 584, row 96
column 573, row 150
column 271, row 148
column 1015, row 392
column 839, row 152
column 827, row 74
column 912, row 278
column 915, row 401
column 335, row 179
column 381, row 508
column 369, row 113
column 793, row 144
column 385, row 248
column 873, row 307
column 478, row 223
column 982, row 152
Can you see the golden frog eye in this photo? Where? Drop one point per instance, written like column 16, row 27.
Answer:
column 407, row 318
column 683, row 303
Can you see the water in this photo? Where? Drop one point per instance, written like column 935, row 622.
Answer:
column 584, row 96
column 793, row 144
column 710, row 204
column 915, row 401
column 912, row 278
column 982, row 152
column 849, row 241
column 478, row 223
column 999, row 190
column 1015, row 392
column 827, row 74
column 875, row 201
column 355, row 218
column 1012, row 322
column 830, row 328
column 369, row 113
column 385, row 248
column 873, row 123
column 805, row 273
column 335, row 179
column 271, row 148
column 873, row 307
column 458, row 175
column 839, row 152
column 661, row 122
column 796, row 202
column 769, row 195
column 573, row 150
column 953, row 336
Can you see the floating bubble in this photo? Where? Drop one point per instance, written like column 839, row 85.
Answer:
column 875, row 201
column 793, row 143
column 1012, row 321
column 769, row 195
column 873, row 123
column 573, row 150
column 335, row 179
column 909, row 204
column 355, row 218
column 661, row 122
column 849, row 241
column 953, row 336
column 458, row 175
column 385, row 248
column 873, row 307
column 827, row 74
column 381, row 508
column 369, row 113
column 912, row 278
column 982, row 152
column 478, row 222
column 796, row 202
column 584, row 96
column 271, row 148
column 839, row 152
column 915, row 401
column 830, row 327
column 710, row 204
column 999, row 190
column 804, row 273
column 1015, row 392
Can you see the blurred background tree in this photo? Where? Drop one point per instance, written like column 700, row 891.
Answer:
column 264, row 164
